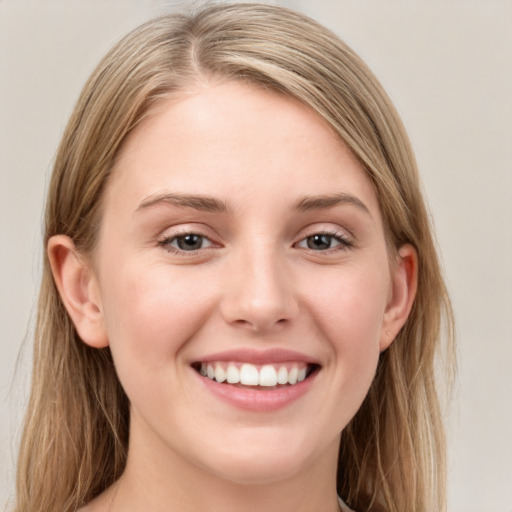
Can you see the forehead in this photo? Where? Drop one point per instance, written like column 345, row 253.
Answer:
column 236, row 142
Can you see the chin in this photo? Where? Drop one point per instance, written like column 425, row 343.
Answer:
column 258, row 472
column 263, row 462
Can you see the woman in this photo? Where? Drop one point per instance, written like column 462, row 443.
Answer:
column 241, row 301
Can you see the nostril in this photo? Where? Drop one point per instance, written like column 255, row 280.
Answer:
column 259, row 323
column 258, row 304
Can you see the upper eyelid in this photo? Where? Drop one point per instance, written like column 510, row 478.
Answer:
column 345, row 241
column 344, row 235
column 171, row 233
column 211, row 234
column 186, row 229
column 324, row 229
column 174, row 236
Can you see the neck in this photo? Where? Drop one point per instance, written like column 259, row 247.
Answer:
column 158, row 479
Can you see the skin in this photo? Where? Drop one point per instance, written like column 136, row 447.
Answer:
column 257, row 281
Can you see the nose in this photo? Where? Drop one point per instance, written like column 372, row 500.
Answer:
column 258, row 293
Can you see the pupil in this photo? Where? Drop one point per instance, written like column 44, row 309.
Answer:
column 190, row 242
column 319, row 242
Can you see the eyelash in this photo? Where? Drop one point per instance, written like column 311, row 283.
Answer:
column 167, row 241
column 344, row 242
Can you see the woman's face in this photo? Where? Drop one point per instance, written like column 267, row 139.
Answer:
column 241, row 239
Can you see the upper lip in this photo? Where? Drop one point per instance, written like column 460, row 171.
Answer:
column 267, row 356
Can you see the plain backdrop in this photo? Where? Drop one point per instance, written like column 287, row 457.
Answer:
column 447, row 64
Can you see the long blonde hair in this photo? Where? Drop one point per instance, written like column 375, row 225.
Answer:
column 74, row 446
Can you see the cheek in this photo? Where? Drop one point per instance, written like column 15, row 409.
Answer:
column 352, row 301
column 349, row 308
column 150, row 315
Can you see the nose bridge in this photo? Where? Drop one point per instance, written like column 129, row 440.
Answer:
column 260, row 292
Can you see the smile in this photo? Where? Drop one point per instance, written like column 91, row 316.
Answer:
column 247, row 374
column 255, row 380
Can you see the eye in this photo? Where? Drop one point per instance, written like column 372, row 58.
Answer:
column 324, row 242
column 187, row 242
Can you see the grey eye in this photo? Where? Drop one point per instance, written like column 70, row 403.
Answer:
column 189, row 242
column 320, row 242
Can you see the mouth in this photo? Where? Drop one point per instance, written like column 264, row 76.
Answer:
column 258, row 380
column 264, row 377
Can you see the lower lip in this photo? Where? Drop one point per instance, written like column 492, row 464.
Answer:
column 258, row 399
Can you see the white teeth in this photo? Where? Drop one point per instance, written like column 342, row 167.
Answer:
column 249, row 375
column 282, row 375
column 233, row 374
column 292, row 375
column 268, row 376
column 220, row 374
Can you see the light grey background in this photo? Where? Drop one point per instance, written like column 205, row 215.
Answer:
column 447, row 64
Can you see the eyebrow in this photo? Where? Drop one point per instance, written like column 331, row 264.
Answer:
column 324, row 202
column 197, row 202
column 211, row 204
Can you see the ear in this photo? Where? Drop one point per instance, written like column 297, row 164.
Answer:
column 404, row 280
column 78, row 289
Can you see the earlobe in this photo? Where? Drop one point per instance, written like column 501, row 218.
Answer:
column 404, row 283
column 78, row 290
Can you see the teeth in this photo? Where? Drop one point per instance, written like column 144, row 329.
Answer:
column 282, row 375
column 220, row 374
column 250, row 375
column 233, row 374
column 268, row 376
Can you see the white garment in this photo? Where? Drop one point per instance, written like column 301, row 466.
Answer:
column 343, row 507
